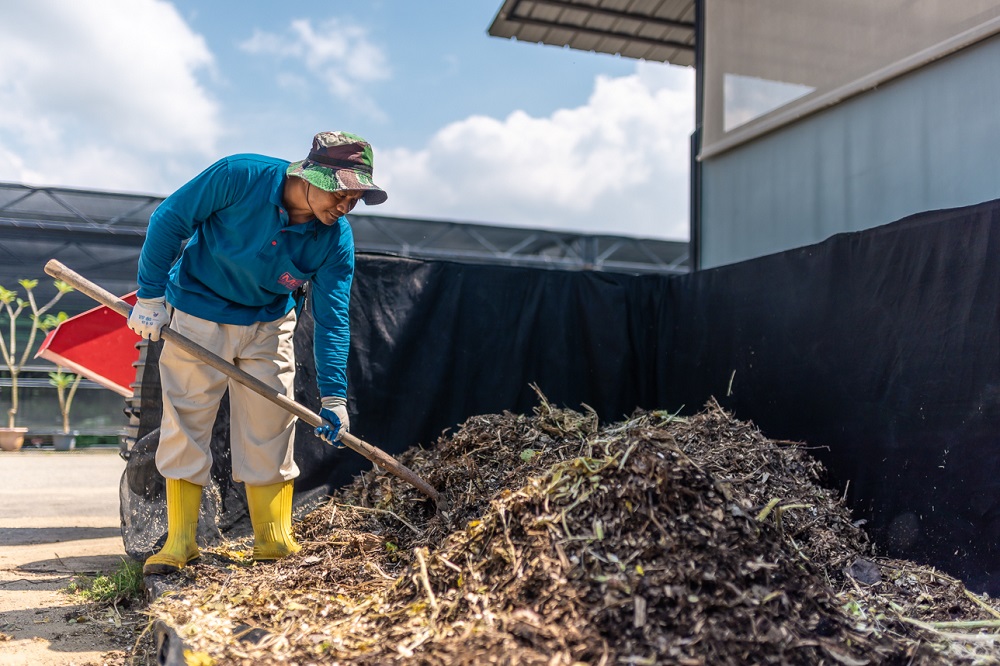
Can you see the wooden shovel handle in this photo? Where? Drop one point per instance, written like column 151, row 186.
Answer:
column 379, row 457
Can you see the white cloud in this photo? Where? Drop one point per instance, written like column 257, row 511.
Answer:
column 105, row 94
column 337, row 54
column 90, row 91
column 619, row 161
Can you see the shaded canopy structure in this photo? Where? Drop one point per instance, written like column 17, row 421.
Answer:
column 99, row 234
column 659, row 30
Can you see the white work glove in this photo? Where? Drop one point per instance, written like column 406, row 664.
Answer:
column 335, row 419
column 148, row 317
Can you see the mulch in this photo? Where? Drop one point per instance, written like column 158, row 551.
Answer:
column 656, row 540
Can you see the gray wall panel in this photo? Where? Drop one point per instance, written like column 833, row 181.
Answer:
column 926, row 141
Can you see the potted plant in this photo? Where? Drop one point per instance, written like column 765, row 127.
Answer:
column 66, row 384
column 12, row 437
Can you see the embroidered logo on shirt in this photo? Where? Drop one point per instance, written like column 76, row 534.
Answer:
column 290, row 282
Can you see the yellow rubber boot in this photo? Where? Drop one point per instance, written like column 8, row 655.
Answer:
column 271, row 515
column 183, row 504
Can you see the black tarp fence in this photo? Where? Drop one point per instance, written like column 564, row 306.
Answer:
column 879, row 349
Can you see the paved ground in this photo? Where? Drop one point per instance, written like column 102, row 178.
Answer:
column 59, row 519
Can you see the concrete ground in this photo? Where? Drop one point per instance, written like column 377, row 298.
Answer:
column 58, row 519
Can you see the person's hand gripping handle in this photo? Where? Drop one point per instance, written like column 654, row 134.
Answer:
column 147, row 317
column 335, row 420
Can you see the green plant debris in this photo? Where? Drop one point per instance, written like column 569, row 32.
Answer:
column 657, row 540
column 124, row 584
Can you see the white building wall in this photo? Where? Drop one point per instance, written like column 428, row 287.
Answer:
column 928, row 140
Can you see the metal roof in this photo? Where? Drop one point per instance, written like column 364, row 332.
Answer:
column 658, row 30
column 99, row 235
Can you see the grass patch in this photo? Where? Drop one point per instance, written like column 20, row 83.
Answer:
column 123, row 585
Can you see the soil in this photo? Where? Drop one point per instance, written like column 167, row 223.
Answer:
column 669, row 540
column 659, row 540
column 60, row 522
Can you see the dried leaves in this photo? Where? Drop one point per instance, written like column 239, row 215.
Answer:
column 653, row 541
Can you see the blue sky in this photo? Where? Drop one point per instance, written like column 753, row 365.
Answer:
column 139, row 95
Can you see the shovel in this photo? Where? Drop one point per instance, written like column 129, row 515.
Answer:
column 372, row 453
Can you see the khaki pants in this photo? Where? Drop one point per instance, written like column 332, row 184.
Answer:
column 260, row 432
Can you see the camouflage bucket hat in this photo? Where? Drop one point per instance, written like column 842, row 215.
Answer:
column 340, row 161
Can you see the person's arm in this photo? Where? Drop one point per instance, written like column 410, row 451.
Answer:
column 175, row 220
column 331, row 297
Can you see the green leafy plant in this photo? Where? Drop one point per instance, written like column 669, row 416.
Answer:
column 124, row 584
column 13, row 306
column 66, row 384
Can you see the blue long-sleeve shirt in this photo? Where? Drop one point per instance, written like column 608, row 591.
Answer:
column 243, row 261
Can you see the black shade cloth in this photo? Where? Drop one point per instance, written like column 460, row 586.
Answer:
column 883, row 348
column 880, row 349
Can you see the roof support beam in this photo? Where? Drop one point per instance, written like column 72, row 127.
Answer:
column 603, row 33
column 609, row 13
column 91, row 227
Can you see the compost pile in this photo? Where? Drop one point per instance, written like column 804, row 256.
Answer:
column 657, row 540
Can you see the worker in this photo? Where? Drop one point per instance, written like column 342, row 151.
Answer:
column 256, row 229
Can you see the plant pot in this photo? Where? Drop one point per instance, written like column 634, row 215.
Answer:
column 64, row 441
column 12, row 439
